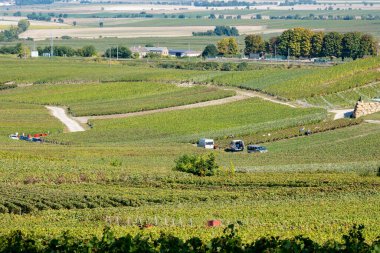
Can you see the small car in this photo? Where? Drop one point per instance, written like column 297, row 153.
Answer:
column 256, row 149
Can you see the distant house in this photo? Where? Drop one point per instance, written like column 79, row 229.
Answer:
column 358, row 17
column 141, row 51
column 184, row 53
column 265, row 17
column 163, row 51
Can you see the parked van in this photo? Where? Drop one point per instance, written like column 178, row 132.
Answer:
column 206, row 143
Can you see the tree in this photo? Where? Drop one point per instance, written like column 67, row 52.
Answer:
column 101, row 24
column 120, row 52
column 74, row 23
column 200, row 165
column 296, row 42
column 10, row 34
column 316, row 44
column 87, row 51
column 272, row 45
column 332, row 44
column 227, row 46
column 22, row 51
column 254, row 44
column 210, row 51
column 305, row 41
column 368, row 45
column 351, row 45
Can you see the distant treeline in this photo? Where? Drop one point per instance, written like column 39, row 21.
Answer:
column 86, row 51
column 11, row 49
column 219, row 31
column 312, row 16
column 230, row 3
column 304, row 43
column 31, row 2
column 12, row 33
column 227, row 66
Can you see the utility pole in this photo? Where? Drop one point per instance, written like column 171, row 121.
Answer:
column 110, row 56
column 117, row 52
column 288, row 55
column 275, row 52
column 51, row 46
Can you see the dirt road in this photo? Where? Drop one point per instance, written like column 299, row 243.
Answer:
column 60, row 113
column 341, row 114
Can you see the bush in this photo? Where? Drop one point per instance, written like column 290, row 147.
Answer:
column 242, row 66
column 200, row 165
column 227, row 66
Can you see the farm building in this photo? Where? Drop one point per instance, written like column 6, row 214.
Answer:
column 163, row 51
column 141, row 51
column 184, row 53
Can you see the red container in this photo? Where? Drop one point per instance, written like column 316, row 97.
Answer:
column 214, row 223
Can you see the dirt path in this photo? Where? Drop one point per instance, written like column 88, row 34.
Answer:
column 252, row 94
column 60, row 113
column 372, row 121
column 341, row 114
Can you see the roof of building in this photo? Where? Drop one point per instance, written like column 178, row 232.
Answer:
column 139, row 49
column 160, row 49
column 181, row 51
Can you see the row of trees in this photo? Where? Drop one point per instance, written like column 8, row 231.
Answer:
column 19, row 49
column 300, row 43
column 219, row 31
column 86, row 51
column 12, row 33
column 66, row 51
column 225, row 46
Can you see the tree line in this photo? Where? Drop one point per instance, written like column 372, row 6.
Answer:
column 219, row 31
column 66, row 51
column 300, row 43
column 12, row 33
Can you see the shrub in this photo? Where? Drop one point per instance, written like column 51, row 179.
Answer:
column 200, row 165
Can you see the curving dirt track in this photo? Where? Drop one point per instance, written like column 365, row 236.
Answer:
column 60, row 113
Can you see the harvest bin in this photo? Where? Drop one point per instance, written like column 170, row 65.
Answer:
column 214, row 223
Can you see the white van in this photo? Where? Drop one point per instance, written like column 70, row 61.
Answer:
column 206, row 143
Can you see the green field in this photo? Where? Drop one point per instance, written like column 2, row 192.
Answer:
column 347, row 98
column 190, row 125
column 119, row 172
column 304, row 83
column 113, row 98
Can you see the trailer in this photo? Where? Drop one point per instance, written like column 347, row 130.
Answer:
column 206, row 143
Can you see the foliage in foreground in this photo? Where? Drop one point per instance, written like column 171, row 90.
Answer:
column 230, row 241
column 200, row 165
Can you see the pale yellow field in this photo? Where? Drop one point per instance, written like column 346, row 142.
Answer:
column 134, row 32
column 6, row 22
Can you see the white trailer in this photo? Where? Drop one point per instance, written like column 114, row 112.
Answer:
column 206, row 143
